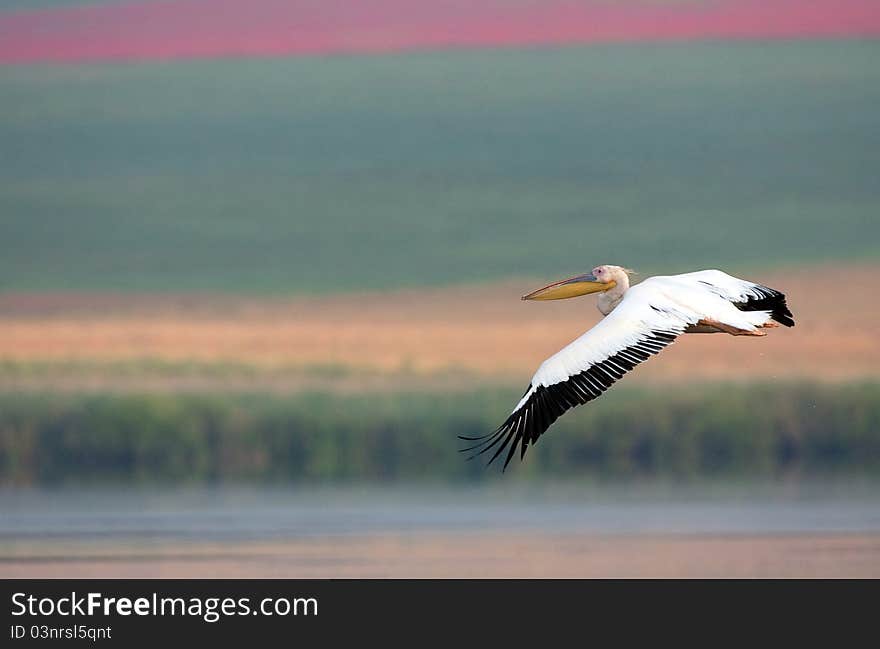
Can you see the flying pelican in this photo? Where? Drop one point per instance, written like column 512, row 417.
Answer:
column 639, row 322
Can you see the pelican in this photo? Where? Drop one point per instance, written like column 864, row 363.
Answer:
column 639, row 322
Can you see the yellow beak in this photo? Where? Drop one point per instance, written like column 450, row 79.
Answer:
column 571, row 287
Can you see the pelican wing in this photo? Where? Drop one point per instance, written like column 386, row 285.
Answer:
column 650, row 317
column 644, row 322
column 742, row 294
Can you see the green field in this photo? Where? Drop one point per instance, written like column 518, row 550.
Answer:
column 19, row 5
column 725, row 430
column 340, row 173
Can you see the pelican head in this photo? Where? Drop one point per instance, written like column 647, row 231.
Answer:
column 602, row 278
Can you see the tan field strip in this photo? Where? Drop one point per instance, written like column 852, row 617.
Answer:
column 478, row 331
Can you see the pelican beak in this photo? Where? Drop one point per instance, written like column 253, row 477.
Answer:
column 571, row 287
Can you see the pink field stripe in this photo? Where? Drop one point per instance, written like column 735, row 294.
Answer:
column 171, row 29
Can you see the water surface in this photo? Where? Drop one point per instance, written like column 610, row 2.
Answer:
column 246, row 513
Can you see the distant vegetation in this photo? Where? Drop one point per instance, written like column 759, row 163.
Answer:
column 722, row 430
column 342, row 173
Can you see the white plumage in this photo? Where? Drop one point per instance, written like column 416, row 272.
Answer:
column 639, row 322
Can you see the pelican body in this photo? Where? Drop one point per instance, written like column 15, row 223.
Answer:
column 640, row 321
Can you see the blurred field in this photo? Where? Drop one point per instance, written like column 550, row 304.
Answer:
column 452, row 338
column 292, row 176
column 113, row 30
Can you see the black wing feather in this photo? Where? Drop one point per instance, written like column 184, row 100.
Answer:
column 769, row 299
column 547, row 403
column 762, row 298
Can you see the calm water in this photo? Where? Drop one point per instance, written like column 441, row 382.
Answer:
column 249, row 513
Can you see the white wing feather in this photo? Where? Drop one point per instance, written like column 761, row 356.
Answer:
column 644, row 310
